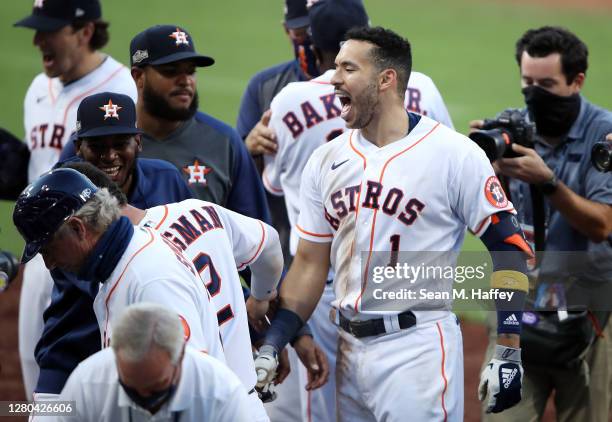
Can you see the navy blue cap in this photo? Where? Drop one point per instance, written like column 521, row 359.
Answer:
column 52, row 15
column 296, row 14
column 330, row 20
column 163, row 44
column 106, row 113
column 46, row 204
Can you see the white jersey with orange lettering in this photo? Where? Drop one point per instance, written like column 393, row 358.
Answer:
column 221, row 242
column 172, row 281
column 50, row 109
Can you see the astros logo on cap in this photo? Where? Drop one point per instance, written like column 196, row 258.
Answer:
column 180, row 37
column 111, row 110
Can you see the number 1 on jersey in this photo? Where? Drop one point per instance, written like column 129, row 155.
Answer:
column 395, row 245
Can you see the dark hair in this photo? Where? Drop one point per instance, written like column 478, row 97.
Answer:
column 547, row 40
column 100, row 35
column 390, row 51
column 98, row 178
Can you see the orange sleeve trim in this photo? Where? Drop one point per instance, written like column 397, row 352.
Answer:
column 163, row 218
column 263, row 239
column 312, row 234
column 481, row 225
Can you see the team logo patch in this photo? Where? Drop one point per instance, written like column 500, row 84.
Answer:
column 186, row 329
column 197, row 173
column 495, row 193
column 140, row 55
column 39, row 3
column 78, row 12
column 180, row 37
column 110, row 110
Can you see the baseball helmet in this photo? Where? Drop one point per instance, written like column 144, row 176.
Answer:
column 46, row 204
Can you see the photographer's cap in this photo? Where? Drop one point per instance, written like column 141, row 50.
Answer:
column 331, row 19
column 52, row 15
column 163, row 44
column 296, row 14
column 106, row 113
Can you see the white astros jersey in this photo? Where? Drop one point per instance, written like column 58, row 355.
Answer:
column 50, row 110
column 153, row 270
column 306, row 115
column 416, row 194
column 218, row 242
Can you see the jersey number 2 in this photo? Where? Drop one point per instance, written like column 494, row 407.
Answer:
column 201, row 262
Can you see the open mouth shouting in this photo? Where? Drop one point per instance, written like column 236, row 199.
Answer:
column 346, row 102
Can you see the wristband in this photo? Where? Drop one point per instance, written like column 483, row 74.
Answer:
column 284, row 327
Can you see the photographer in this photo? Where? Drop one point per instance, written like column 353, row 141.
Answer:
column 575, row 208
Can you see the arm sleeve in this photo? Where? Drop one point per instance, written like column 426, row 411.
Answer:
column 254, row 244
column 250, row 111
column 247, row 194
column 475, row 191
column 311, row 223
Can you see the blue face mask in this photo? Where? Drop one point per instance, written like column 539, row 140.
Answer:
column 153, row 401
column 305, row 56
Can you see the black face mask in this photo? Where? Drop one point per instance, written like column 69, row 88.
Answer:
column 305, row 56
column 552, row 114
column 153, row 401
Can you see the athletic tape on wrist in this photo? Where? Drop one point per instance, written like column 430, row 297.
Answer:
column 508, row 279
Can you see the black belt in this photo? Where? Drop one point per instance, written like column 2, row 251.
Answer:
column 374, row 327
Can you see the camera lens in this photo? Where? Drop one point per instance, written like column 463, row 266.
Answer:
column 494, row 142
column 601, row 156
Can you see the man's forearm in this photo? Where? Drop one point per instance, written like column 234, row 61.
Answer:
column 302, row 287
column 590, row 218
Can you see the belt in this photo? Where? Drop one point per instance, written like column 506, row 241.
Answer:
column 374, row 327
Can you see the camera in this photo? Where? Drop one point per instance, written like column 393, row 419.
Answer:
column 497, row 135
column 601, row 156
column 9, row 266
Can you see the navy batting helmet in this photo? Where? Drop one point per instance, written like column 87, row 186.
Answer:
column 47, row 203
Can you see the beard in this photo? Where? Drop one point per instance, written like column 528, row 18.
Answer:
column 367, row 105
column 157, row 106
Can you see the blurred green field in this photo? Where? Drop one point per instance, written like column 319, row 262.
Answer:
column 465, row 46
